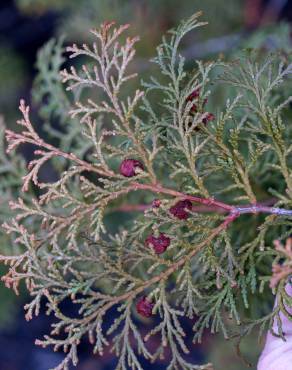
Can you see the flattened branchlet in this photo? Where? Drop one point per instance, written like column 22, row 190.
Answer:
column 208, row 186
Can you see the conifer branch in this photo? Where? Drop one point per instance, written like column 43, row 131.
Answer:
column 195, row 171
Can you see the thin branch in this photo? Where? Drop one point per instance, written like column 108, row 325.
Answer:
column 211, row 202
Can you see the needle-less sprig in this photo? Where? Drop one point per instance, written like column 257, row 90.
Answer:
column 214, row 184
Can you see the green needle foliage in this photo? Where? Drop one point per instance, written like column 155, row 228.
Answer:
column 214, row 187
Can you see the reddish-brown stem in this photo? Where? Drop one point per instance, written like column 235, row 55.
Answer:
column 212, row 203
column 131, row 208
column 196, row 209
column 160, row 189
column 144, row 207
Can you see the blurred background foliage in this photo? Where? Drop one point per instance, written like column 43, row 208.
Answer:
column 29, row 65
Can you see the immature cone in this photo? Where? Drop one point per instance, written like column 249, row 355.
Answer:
column 159, row 244
column 179, row 210
column 144, row 307
column 156, row 203
column 193, row 97
column 208, row 118
column 128, row 167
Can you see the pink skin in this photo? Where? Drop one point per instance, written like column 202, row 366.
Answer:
column 277, row 354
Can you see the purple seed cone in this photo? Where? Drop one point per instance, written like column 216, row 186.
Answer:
column 144, row 307
column 156, row 203
column 179, row 210
column 159, row 244
column 193, row 97
column 208, row 118
column 129, row 166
